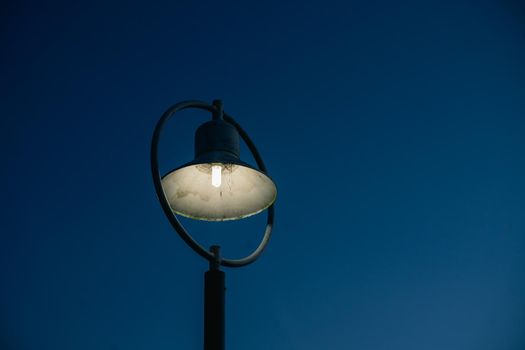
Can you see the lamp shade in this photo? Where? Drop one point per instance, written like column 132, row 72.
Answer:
column 217, row 185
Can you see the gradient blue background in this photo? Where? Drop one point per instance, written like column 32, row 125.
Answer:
column 394, row 131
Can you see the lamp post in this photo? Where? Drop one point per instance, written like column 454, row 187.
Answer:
column 215, row 186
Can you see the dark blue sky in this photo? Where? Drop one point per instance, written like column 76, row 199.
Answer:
column 394, row 131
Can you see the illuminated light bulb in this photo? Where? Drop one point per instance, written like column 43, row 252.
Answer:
column 216, row 175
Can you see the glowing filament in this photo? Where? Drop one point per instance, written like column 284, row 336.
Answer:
column 216, row 175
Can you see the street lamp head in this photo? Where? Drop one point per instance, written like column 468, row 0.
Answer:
column 217, row 185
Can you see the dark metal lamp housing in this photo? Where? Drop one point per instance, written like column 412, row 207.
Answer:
column 217, row 185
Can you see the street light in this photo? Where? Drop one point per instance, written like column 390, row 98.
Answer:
column 215, row 186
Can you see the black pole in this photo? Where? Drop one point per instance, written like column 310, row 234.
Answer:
column 214, row 304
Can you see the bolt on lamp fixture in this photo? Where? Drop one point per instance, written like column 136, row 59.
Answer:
column 215, row 186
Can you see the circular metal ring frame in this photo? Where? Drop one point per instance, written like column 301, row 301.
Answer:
column 172, row 218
